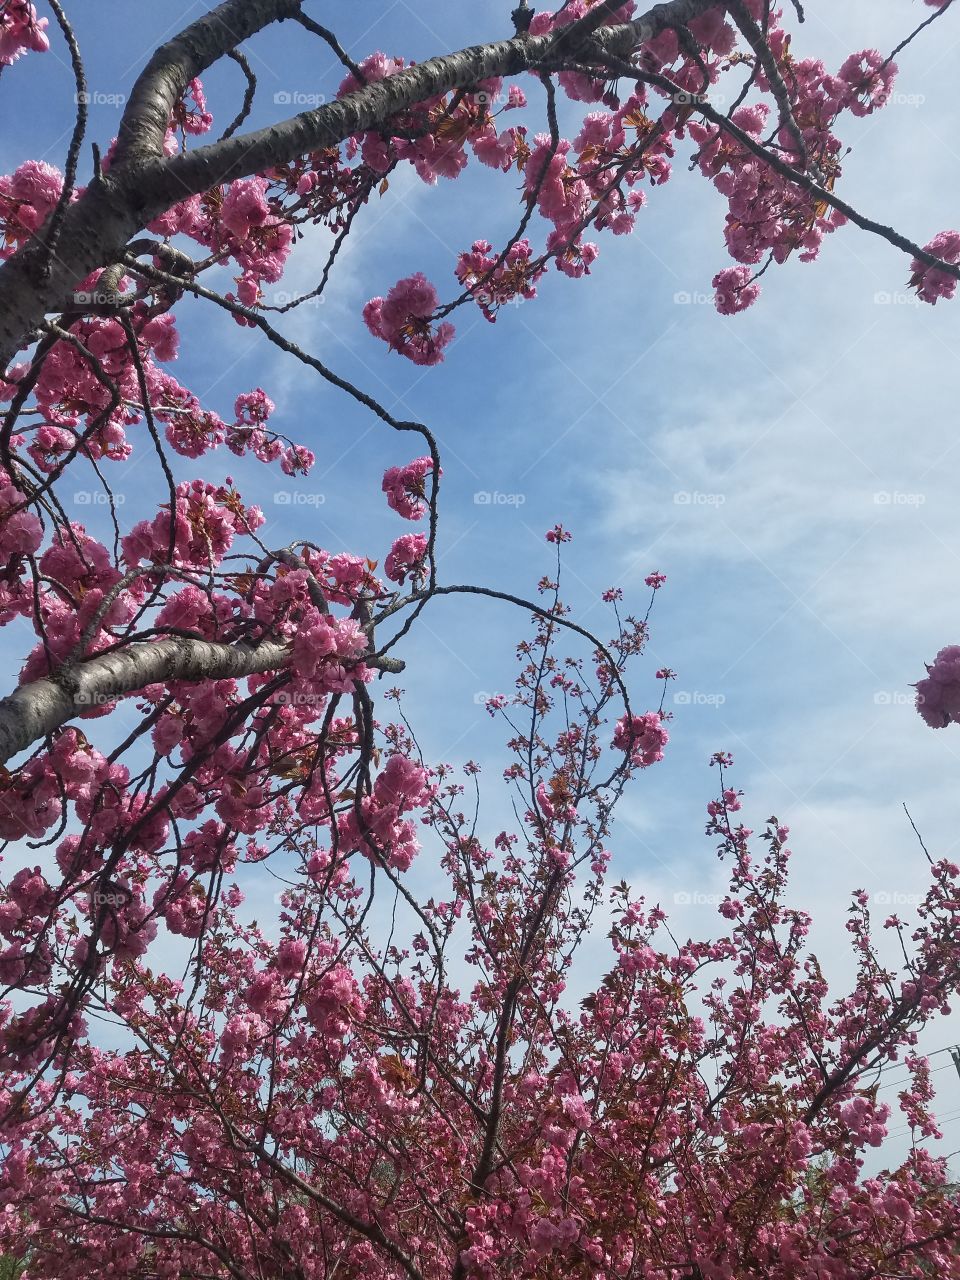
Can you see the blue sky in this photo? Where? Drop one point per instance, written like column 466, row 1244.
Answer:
column 792, row 470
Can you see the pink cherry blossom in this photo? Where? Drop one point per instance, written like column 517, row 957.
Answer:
column 404, row 320
column 406, row 557
column 405, row 488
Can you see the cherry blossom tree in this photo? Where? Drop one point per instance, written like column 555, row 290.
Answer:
column 315, row 1099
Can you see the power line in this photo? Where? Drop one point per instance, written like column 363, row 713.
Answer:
column 892, row 1084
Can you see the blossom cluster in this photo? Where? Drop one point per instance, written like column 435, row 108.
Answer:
column 21, row 31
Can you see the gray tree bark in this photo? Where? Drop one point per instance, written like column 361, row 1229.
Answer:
column 142, row 183
column 41, row 706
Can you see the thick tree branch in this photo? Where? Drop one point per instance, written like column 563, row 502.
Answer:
column 369, row 107
column 164, row 79
column 36, row 709
column 142, row 183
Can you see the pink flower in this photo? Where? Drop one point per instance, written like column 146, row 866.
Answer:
column 375, row 67
column 734, row 291
column 20, row 531
column 297, row 460
column 405, row 488
column 161, row 335
column 290, row 957
column 576, row 1110
column 405, row 557
column 205, row 522
column 938, row 696
column 403, row 320
column 932, row 283
column 493, row 285
column 544, row 801
column 245, row 206
column 574, row 258
column 321, row 639
column 26, row 197
column 752, row 119
column 403, row 783
column 643, row 737
column 869, row 77
column 235, row 1036
column 20, row 30
column 38, row 184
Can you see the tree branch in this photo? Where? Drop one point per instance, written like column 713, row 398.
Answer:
column 366, row 108
column 142, row 183
column 34, row 710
